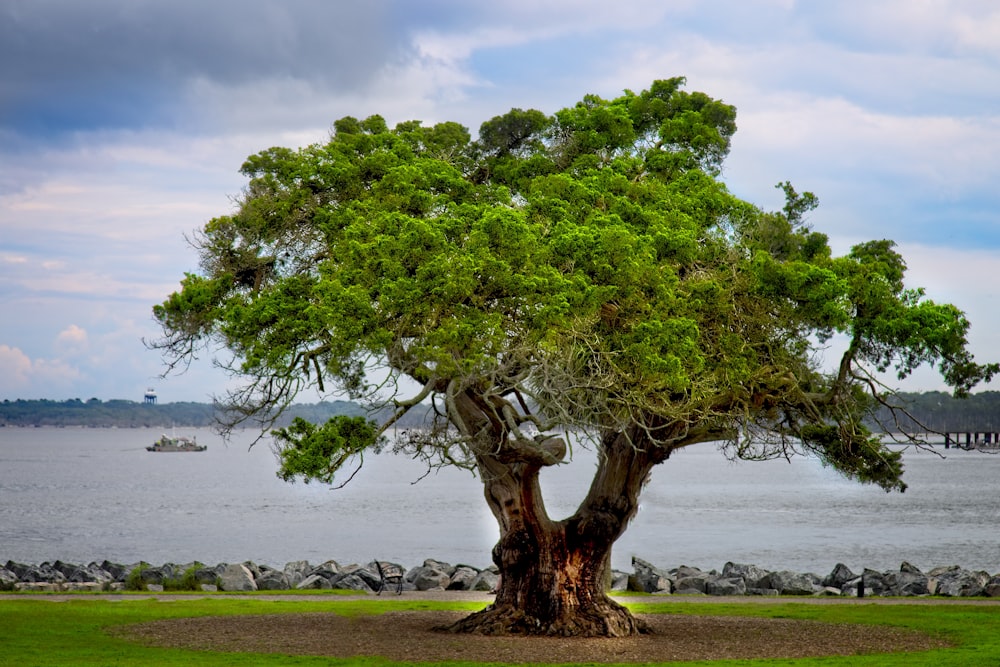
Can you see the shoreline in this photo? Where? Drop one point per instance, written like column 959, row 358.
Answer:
column 437, row 577
column 485, row 598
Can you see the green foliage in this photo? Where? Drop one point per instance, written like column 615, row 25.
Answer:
column 134, row 581
column 186, row 582
column 860, row 453
column 587, row 266
column 318, row 452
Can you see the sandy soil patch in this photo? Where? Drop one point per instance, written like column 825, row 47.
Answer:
column 411, row 636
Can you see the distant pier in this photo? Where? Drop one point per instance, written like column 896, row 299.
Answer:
column 972, row 439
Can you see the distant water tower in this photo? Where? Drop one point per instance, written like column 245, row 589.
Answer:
column 149, row 397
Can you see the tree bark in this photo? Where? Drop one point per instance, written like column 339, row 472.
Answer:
column 553, row 574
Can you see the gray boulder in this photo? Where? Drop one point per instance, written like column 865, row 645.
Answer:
column 957, row 582
column 939, row 574
column 237, row 577
column 100, row 575
column 296, row 571
column 272, row 580
column 648, row 579
column 48, row 574
column 462, row 578
column 850, row 588
column 425, row 578
column 690, row 580
column 66, row 569
column 993, row 587
column 839, row 576
column 328, row 571
column 792, row 583
column 906, row 583
column 441, row 566
column 153, row 575
column 255, row 570
column 486, row 581
column 87, row 574
column 116, row 570
column 350, row 582
column 726, row 586
column 314, row 582
column 208, row 575
column 874, row 582
column 83, row 574
column 369, row 574
column 686, row 571
column 750, row 574
column 17, row 568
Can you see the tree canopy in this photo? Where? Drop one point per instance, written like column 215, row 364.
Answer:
column 584, row 272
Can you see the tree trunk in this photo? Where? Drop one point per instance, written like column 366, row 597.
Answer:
column 550, row 591
column 553, row 574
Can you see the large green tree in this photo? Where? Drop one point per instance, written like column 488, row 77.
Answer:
column 577, row 277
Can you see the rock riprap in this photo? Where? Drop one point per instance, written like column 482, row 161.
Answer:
column 733, row 579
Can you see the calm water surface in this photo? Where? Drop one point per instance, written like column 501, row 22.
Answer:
column 90, row 494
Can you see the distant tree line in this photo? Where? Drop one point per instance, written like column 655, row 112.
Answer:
column 131, row 414
column 934, row 410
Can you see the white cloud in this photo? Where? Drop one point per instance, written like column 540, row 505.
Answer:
column 38, row 278
column 22, row 376
column 946, row 273
column 945, row 153
column 880, row 136
column 880, row 108
column 295, row 112
column 72, row 341
column 15, row 366
column 949, row 26
column 980, row 33
column 126, row 186
column 962, row 278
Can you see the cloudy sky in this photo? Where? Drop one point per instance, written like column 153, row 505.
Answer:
column 123, row 124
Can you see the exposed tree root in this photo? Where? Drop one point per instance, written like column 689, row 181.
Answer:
column 503, row 620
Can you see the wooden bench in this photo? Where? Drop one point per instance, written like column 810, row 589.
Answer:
column 390, row 575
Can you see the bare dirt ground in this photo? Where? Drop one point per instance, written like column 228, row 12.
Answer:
column 411, row 636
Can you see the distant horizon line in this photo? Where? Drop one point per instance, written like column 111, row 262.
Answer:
column 344, row 400
column 139, row 402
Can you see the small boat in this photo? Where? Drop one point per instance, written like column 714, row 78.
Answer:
column 179, row 444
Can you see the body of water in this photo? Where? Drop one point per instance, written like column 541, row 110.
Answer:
column 88, row 494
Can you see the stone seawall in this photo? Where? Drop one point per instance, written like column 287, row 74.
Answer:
column 733, row 579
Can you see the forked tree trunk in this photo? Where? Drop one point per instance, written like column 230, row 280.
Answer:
column 550, row 589
column 553, row 575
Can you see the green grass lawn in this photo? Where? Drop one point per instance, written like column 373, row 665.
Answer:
column 36, row 631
